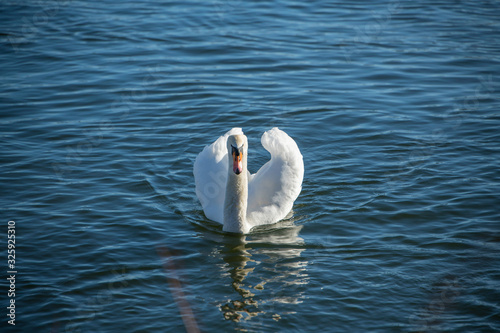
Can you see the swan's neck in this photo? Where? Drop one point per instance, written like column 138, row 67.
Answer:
column 235, row 204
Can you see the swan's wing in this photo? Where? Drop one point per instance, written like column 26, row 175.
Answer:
column 210, row 175
column 274, row 188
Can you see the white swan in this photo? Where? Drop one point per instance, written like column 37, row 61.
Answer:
column 230, row 195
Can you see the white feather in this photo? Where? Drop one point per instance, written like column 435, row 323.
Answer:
column 274, row 188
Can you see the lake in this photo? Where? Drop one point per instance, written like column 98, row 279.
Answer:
column 394, row 105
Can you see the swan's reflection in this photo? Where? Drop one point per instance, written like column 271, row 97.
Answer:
column 265, row 270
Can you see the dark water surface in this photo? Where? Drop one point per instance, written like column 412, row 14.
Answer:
column 104, row 106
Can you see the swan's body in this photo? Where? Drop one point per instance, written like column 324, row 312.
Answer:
column 232, row 196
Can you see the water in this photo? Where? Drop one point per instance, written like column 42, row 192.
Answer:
column 394, row 105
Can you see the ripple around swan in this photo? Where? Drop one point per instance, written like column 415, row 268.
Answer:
column 394, row 107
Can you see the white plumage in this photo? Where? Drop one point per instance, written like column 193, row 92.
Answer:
column 271, row 191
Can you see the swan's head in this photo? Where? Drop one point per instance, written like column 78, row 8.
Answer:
column 237, row 150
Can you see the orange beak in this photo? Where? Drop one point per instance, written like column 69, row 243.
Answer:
column 237, row 161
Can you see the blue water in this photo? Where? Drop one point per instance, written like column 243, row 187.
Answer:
column 104, row 106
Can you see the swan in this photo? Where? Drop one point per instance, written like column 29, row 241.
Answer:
column 230, row 195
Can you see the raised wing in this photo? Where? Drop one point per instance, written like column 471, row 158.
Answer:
column 274, row 188
column 210, row 175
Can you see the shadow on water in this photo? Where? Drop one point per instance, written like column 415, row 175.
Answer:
column 264, row 268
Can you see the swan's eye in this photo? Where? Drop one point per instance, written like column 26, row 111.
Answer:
column 235, row 151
